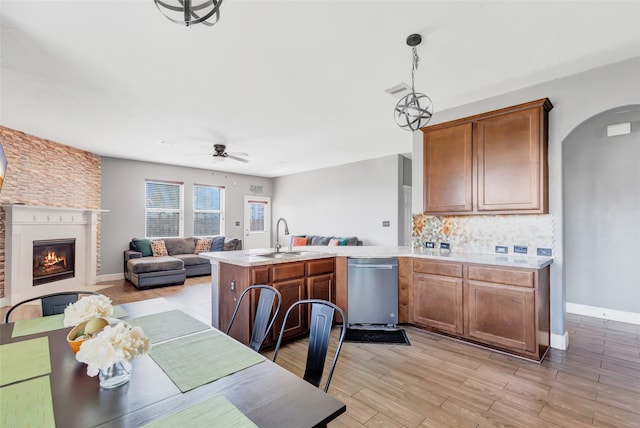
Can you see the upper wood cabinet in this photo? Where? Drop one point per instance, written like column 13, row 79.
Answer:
column 492, row 163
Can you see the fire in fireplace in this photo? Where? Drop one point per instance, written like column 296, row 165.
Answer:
column 53, row 260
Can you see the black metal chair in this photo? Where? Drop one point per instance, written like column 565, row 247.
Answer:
column 52, row 304
column 264, row 319
column 320, row 324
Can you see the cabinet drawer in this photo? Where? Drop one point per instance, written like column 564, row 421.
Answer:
column 317, row 267
column 260, row 275
column 285, row 271
column 438, row 268
column 520, row 278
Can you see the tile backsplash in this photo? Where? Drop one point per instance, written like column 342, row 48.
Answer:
column 481, row 233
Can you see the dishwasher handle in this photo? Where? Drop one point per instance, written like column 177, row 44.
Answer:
column 372, row 266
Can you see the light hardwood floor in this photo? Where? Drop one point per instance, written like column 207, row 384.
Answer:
column 441, row 382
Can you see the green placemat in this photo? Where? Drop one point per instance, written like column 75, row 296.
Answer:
column 27, row 404
column 52, row 322
column 195, row 360
column 214, row 411
column 168, row 325
column 24, row 360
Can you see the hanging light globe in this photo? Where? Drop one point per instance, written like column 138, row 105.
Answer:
column 414, row 110
column 189, row 12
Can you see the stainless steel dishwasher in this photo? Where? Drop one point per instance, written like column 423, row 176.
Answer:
column 372, row 291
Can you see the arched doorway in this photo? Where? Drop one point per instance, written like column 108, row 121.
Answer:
column 601, row 198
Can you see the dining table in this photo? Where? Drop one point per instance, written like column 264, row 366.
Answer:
column 194, row 375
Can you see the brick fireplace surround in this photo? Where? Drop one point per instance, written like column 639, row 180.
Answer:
column 43, row 173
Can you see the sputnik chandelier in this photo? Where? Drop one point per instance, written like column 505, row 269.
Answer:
column 414, row 110
column 189, row 12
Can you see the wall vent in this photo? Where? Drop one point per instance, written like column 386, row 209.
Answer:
column 399, row 90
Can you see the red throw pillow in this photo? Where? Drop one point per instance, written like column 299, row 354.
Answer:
column 297, row 241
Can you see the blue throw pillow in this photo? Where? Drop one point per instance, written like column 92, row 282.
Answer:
column 218, row 243
column 143, row 246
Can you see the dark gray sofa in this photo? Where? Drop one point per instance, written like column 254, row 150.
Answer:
column 146, row 271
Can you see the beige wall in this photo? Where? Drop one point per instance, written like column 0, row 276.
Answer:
column 44, row 173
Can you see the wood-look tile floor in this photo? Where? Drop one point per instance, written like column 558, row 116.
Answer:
column 441, row 382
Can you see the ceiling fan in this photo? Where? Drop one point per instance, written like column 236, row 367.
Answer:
column 220, row 152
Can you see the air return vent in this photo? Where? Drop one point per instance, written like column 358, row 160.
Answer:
column 399, row 90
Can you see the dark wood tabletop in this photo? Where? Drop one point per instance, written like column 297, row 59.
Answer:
column 266, row 393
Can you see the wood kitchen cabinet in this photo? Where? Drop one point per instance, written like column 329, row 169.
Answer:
column 437, row 296
column 506, row 308
column 491, row 163
column 295, row 281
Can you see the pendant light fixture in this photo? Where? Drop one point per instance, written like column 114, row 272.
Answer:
column 414, row 110
column 189, row 12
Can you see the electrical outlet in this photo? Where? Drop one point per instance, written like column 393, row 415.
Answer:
column 386, row 223
column 430, row 244
column 445, row 246
column 543, row 252
column 502, row 249
column 520, row 249
column 237, row 223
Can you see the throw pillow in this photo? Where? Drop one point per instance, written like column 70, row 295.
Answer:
column 298, row 241
column 334, row 242
column 159, row 249
column 144, row 246
column 217, row 243
column 203, row 246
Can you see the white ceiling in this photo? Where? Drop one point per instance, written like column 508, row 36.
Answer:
column 298, row 85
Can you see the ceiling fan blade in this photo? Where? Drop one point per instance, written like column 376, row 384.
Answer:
column 238, row 154
column 237, row 158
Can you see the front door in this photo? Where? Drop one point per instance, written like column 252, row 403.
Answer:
column 257, row 222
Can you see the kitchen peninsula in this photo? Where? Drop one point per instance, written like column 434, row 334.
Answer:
column 497, row 301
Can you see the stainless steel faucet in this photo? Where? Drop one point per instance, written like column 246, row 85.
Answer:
column 286, row 232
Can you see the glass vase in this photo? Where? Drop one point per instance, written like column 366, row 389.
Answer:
column 116, row 375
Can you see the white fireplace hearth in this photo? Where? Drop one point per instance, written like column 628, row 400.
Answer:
column 25, row 224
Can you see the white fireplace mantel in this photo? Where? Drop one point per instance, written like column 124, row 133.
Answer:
column 25, row 224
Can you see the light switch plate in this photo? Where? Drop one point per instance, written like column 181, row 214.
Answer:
column 543, row 252
column 386, row 223
column 445, row 246
column 520, row 249
column 501, row 249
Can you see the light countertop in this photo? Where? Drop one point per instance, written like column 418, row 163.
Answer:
column 253, row 258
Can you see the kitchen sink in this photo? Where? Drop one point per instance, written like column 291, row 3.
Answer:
column 285, row 254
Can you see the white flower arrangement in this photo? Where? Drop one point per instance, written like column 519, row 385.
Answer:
column 113, row 345
column 86, row 308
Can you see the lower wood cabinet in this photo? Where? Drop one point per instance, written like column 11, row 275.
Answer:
column 506, row 308
column 437, row 302
column 294, row 280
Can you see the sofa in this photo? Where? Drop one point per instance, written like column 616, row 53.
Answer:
column 301, row 240
column 156, row 263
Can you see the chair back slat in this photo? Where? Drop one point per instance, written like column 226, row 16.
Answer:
column 264, row 318
column 54, row 305
column 321, row 323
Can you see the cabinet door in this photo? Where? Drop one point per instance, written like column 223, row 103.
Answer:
column 448, row 169
column 320, row 287
column 437, row 302
column 292, row 291
column 501, row 315
column 511, row 171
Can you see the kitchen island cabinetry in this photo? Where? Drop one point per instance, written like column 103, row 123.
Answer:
column 491, row 163
column 294, row 280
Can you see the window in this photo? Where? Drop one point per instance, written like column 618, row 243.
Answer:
column 208, row 213
column 256, row 213
column 163, row 209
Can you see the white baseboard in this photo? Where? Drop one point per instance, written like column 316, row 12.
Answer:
column 560, row 341
column 603, row 313
column 110, row 277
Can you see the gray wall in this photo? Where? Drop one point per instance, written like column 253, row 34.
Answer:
column 575, row 99
column 602, row 212
column 123, row 193
column 346, row 200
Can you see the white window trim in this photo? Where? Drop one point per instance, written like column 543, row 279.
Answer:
column 165, row 210
column 220, row 211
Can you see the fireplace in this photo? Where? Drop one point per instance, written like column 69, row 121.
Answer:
column 53, row 260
